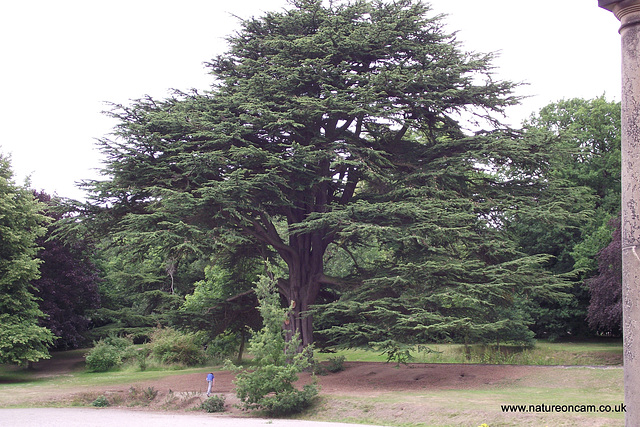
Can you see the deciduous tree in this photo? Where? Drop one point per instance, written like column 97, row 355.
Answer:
column 22, row 339
column 68, row 284
column 605, row 308
column 583, row 140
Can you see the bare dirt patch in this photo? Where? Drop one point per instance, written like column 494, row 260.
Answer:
column 362, row 378
column 183, row 391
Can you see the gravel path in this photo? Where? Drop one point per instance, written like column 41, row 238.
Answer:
column 87, row 417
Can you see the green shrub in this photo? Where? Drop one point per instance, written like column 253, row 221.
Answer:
column 395, row 352
column 214, row 404
column 150, row 393
column 170, row 346
column 333, row 365
column 290, row 401
column 336, row 364
column 223, row 346
column 121, row 343
column 100, row 402
column 141, row 397
column 110, row 352
column 318, row 368
column 103, row 357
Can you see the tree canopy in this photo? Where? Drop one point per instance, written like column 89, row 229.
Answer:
column 22, row 339
column 68, row 284
column 339, row 126
column 583, row 175
column 605, row 308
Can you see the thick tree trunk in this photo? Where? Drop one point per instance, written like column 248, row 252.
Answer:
column 243, row 338
column 301, row 291
column 301, row 322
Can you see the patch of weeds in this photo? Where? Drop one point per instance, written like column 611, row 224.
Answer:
column 189, row 395
column 150, row 393
column 83, row 399
column 395, row 352
column 318, row 368
column 214, row 404
column 366, row 408
column 336, row 364
column 141, row 397
column 116, row 399
column 100, row 402
column 333, row 365
column 187, row 401
column 191, row 400
column 171, row 401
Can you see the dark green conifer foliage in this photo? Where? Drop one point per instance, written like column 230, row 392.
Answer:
column 338, row 125
column 22, row 340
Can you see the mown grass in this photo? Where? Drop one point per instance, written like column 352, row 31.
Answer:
column 594, row 353
column 83, row 379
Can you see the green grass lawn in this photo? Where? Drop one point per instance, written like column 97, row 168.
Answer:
column 597, row 352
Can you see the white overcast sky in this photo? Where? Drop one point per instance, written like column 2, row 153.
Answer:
column 60, row 61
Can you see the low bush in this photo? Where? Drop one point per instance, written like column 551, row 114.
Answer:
column 169, row 346
column 333, row 365
column 222, row 347
column 141, row 397
column 121, row 343
column 103, row 357
column 214, row 404
column 100, row 402
column 109, row 353
column 336, row 364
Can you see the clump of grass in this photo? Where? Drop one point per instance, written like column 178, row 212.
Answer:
column 334, row 364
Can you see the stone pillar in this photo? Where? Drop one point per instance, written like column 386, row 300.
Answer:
column 628, row 12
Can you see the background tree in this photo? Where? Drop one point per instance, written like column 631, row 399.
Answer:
column 68, row 284
column 225, row 300
column 583, row 174
column 22, row 340
column 584, row 136
column 605, row 308
column 328, row 125
column 137, row 292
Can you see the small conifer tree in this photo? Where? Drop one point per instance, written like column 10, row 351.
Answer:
column 269, row 386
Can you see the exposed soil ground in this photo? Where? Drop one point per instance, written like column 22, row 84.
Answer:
column 358, row 378
column 364, row 378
